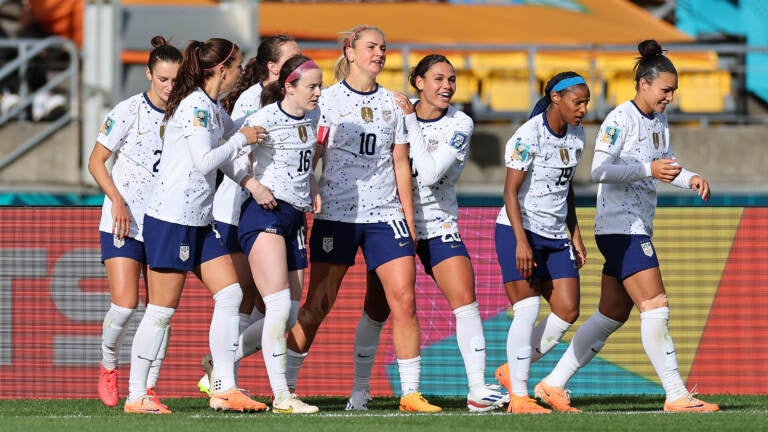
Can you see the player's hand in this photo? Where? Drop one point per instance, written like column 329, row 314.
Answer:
column 403, row 102
column 254, row 134
column 264, row 197
column 579, row 251
column 121, row 219
column 700, row 185
column 665, row 169
column 525, row 262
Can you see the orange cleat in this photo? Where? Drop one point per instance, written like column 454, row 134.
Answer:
column 525, row 405
column 502, row 375
column 558, row 398
column 108, row 386
column 234, row 400
column 415, row 403
column 145, row 405
column 689, row 403
column 152, row 393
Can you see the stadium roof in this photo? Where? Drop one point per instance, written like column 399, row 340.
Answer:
column 510, row 22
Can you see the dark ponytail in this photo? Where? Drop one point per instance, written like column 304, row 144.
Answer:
column 552, row 86
column 651, row 62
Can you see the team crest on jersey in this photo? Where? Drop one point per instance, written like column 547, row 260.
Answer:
column 327, row 244
column 459, row 140
column 184, row 252
column 366, row 113
column 610, row 135
column 521, row 151
column 565, row 156
column 432, row 145
column 202, row 118
column 106, row 128
column 302, row 133
column 647, row 248
column 386, row 115
column 655, row 140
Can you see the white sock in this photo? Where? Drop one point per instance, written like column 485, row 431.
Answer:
column 293, row 363
column 154, row 368
column 146, row 344
column 658, row 344
column 366, row 343
column 250, row 339
column 471, row 341
column 519, row 343
column 410, row 374
column 546, row 335
column 256, row 315
column 112, row 334
column 223, row 336
column 586, row 343
column 245, row 321
column 278, row 307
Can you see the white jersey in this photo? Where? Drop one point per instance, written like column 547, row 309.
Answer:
column 283, row 163
column 131, row 131
column 229, row 196
column 446, row 139
column 550, row 161
column 627, row 143
column 192, row 150
column 358, row 182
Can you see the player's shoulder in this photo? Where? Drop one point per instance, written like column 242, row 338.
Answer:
column 129, row 106
column 461, row 119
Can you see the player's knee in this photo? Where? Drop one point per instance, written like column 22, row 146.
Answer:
column 312, row 315
column 655, row 302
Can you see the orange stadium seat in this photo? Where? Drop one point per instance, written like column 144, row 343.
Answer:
column 506, row 92
column 703, row 92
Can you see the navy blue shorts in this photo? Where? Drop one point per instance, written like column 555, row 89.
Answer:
column 554, row 257
column 338, row 242
column 626, row 254
column 128, row 247
column 228, row 235
column 180, row 247
column 284, row 220
column 437, row 249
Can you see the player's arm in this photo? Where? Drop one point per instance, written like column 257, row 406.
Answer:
column 404, row 181
column 571, row 220
column 97, row 166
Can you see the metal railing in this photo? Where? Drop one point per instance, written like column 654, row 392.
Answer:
column 69, row 77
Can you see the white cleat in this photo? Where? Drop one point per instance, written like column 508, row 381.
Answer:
column 359, row 400
column 486, row 398
column 293, row 405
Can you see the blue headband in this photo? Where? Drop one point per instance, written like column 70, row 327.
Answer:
column 564, row 84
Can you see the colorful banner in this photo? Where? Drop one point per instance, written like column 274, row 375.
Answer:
column 53, row 296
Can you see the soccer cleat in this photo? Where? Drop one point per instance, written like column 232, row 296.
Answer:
column 415, row 403
column 525, row 405
column 358, row 401
column 293, row 405
column 234, row 400
column 502, row 375
column 558, row 398
column 689, row 403
column 145, row 405
column 204, row 383
column 152, row 393
column 108, row 386
column 486, row 398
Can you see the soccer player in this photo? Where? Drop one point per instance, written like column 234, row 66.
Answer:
column 633, row 154
column 536, row 256
column 244, row 100
column 365, row 168
column 284, row 188
column 178, row 228
column 439, row 136
column 131, row 131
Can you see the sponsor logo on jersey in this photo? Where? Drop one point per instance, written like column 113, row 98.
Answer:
column 655, row 140
column 302, row 133
column 565, row 156
column 459, row 140
column 327, row 244
column 610, row 135
column 647, row 248
column 184, row 252
column 366, row 113
column 521, row 151
column 201, row 118
column 106, row 128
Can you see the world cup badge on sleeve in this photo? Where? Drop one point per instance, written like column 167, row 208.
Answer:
column 107, row 126
column 647, row 248
column 327, row 244
column 302, row 133
column 184, row 252
column 201, row 118
column 366, row 113
column 565, row 156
